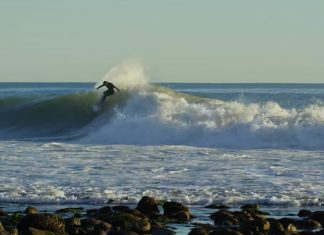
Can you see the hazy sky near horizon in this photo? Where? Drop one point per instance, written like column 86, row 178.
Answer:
column 177, row 40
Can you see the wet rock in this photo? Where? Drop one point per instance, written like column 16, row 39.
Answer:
column 13, row 231
column 129, row 222
column 103, row 226
column 162, row 231
column 257, row 225
column 121, row 208
column 250, row 207
column 177, row 211
column 92, row 212
column 216, row 206
column 106, row 209
column 49, row 222
column 243, row 216
column 74, row 221
column 225, row 231
column 304, row 213
column 3, row 213
column 147, row 205
column 318, row 216
column 70, row 210
column 31, row 210
column 199, row 231
column 98, row 232
column 286, row 221
column 224, row 217
column 90, row 222
column 308, row 224
column 34, row 231
column 1, row 228
column 291, row 228
column 142, row 226
column 276, row 228
column 127, row 233
column 12, row 220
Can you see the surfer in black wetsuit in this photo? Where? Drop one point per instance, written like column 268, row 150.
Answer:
column 110, row 90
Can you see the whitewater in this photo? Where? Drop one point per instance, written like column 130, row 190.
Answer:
column 193, row 143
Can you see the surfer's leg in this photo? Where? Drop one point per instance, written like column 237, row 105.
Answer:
column 103, row 98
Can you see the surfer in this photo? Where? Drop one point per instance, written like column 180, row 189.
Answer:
column 110, row 90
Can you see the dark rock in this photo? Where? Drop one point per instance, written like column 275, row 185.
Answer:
column 286, row 221
column 106, row 209
column 250, row 207
column 318, row 216
column 142, row 226
column 171, row 208
column 123, row 209
column 34, row 231
column 276, row 228
column 242, row 216
column 92, row 212
column 182, row 216
column 199, row 231
column 257, row 225
column 307, row 233
column 304, row 213
column 98, row 232
column 147, row 205
column 13, row 231
column 127, row 233
column 13, row 219
column 49, row 222
column 129, row 222
column 162, row 231
column 3, row 213
column 308, row 224
column 177, row 211
column 224, row 217
column 215, row 206
column 225, row 231
column 74, row 221
column 70, row 210
column 90, row 222
column 31, row 210
column 103, row 226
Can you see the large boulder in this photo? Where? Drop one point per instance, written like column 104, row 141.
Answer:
column 49, row 222
column 318, row 216
column 31, row 210
column 224, row 217
column 147, row 205
column 177, row 211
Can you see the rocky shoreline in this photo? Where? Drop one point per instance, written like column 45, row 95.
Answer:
column 155, row 217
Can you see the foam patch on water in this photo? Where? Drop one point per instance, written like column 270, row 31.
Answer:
column 64, row 173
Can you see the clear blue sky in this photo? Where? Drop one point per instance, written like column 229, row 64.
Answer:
column 178, row 40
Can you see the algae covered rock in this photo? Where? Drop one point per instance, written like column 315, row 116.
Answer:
column 147, row 205
column 49, row 222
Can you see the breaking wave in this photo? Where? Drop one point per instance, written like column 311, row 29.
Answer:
column 144, row 114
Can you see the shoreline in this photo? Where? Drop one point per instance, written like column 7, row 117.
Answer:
column 151, row 216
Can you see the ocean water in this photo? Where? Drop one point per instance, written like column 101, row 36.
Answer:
column 193, row 143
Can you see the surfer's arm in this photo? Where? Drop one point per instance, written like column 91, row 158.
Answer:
column 116, row 88
column 100, row 86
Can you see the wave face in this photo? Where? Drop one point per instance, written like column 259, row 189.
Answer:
column 144, row 114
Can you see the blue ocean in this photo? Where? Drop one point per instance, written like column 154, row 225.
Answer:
column 195, row 143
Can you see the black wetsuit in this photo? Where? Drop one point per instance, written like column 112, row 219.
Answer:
column 110, row 90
